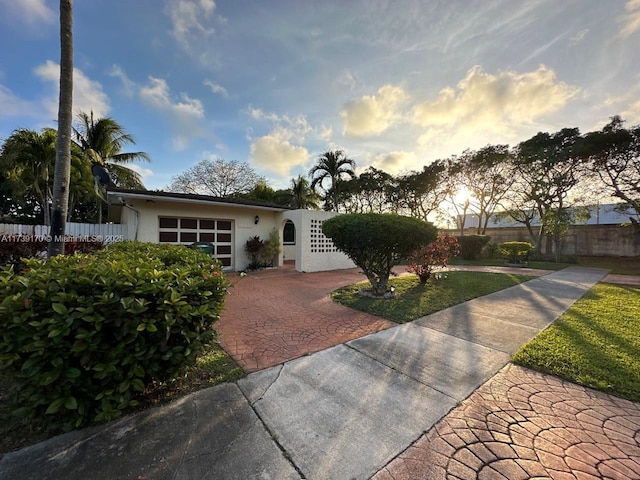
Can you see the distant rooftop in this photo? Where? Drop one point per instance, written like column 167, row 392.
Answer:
column 599, row 215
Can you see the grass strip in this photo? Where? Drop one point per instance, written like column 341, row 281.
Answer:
column 596, row 343
column 414, row 299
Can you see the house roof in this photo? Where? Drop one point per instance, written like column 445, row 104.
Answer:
column 157, row 195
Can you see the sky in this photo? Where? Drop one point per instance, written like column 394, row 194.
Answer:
column 275, row 83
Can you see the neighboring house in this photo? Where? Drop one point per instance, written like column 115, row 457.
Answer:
column 226, row 223
column 605, row 214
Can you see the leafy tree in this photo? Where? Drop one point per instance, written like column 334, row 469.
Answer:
column 370, row 192
column 486, row 176
column 376, row 242
column 454, row 181
column 419, row 194
column 332, row 166
column 548, row 168
column 102, row 141
column 613, row 155
column 264, row 193
column 217, row 177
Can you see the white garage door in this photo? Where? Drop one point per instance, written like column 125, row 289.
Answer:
column 185, row 231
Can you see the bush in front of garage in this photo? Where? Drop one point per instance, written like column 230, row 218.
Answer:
column 84, row 334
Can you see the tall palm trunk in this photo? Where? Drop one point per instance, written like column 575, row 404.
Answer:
column 62, row 169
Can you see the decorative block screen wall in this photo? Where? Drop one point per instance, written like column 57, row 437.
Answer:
column 318, row 242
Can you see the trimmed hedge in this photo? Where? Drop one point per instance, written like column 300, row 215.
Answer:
column 471, row 245
column 84, row 334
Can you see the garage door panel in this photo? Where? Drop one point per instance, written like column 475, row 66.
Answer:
column 189, row 230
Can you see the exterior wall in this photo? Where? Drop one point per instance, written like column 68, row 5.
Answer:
column 314, row 251
column 242, row 217
column 288, row 252
column 587, row 240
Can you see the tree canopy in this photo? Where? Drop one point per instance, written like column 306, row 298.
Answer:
column 217, row 177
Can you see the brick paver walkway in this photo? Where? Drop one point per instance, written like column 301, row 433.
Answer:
column 272, row 316
column 523, row 424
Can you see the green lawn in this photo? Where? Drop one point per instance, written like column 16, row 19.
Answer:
column 414, row 299
column 595, row 344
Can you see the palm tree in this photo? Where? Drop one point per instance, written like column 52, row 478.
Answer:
column 27, row 162
column 28, row 158
column 332, row 165
column 62, row 169
column 302, row 195
column 102, row 141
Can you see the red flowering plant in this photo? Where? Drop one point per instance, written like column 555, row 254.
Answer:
column 425, row 260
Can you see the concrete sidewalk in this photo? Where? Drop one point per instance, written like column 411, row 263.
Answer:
column 341, row 413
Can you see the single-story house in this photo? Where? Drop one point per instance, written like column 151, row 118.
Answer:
column 226, row 223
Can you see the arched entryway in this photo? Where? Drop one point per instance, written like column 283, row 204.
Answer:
column 288, row 244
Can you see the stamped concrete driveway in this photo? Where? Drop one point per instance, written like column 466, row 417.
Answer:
column 272, row 316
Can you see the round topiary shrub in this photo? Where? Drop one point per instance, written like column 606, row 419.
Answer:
column 376, row 242
column 516, row 253
column 83, row 334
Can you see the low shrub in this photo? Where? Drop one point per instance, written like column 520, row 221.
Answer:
column 516, row 252
column 376, row 242
column 492, row 250
column 253, row 247
column 262, row 253
column 471, row 245
column 83, row 334
column 430, row 257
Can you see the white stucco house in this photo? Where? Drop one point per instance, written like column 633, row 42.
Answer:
column 226, row 223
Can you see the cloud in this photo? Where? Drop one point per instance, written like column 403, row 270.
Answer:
column 191, row 19
column 144, row 172
column 395, row 162
column 276, row 154
column 578, row 37
column 626, row 105
column 346, row 79
column 29, row 12
column 128, row 85
column 87, row 94
column 217, row 89
column 184, row 114
column 13, row 106
column 372, row 115
column 631, row 19
column 486, row 101
column 278, row 151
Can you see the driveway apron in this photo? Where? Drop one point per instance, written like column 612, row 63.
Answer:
column 373, row 406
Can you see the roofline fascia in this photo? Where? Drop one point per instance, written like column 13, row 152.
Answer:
column 161, row 198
